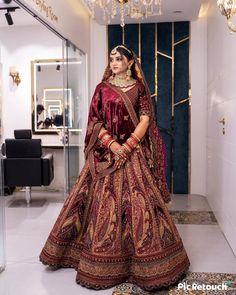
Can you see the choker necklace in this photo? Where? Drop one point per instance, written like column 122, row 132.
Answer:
column 120, row 81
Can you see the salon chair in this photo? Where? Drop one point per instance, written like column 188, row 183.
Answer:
column 24, row 164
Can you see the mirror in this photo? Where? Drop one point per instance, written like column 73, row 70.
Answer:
column 48, row 95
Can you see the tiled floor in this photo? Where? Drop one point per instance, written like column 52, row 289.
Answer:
column 28, row 228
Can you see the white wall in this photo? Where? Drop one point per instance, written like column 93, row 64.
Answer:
column 221, row 149
column 33, row 43
column 198, row 75
column 73, row 19
column 98, row 59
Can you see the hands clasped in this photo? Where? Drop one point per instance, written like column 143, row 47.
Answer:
column 121, row 152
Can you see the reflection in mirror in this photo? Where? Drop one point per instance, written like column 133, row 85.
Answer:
column 48, row 96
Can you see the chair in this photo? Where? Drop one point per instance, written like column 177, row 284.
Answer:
column 23, row 163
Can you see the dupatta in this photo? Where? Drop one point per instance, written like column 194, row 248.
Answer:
column 157, row 162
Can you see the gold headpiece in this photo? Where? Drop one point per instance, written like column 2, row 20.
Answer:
column 114, row 50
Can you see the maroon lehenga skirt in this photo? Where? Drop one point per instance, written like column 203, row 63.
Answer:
column 117, row 229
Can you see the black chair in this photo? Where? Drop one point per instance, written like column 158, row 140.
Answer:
column 23, row 163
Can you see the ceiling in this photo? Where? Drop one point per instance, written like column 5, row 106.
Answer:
column 189, row 12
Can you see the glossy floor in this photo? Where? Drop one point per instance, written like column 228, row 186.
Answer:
column 28, row 228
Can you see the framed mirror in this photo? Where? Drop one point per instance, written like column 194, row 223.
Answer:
column 48, row 97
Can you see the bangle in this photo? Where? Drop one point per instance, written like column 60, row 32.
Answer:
column 131, row 143
column 109, row 144
column 126, row 146
column 105, row 136
column 102, row 134
column 106, row 139
column 135, row 135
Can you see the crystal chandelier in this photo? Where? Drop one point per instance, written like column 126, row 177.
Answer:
column 228, row 9
column 131, row 8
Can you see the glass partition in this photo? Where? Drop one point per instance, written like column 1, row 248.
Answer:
column 2, row 224
column 75, row 111
column 2, row 201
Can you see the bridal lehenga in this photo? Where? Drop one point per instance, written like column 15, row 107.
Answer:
column 114, row 226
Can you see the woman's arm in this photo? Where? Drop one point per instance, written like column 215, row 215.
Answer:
column 115, row 146
column 142, row 126
column 140, row 131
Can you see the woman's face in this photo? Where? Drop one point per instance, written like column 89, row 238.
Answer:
column 118, row 63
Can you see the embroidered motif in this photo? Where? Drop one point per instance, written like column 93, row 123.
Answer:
column 122, row 136
column 117, row 100
column 95, row 118
column 115, row 119
column 126, row 117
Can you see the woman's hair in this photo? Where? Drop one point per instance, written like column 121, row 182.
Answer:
column 124, row 51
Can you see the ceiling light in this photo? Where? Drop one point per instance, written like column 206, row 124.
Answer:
column 133, row 8
column 228, row 9
column 9, row 18
column 8, row 14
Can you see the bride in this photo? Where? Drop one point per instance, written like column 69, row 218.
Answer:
column 115, row 226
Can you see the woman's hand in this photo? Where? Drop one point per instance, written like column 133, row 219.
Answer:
column 115, row 146
column 121, row 155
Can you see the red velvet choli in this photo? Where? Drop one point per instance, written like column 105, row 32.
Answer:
column 107, row 108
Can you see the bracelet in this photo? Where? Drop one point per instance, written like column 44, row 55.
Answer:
column 106, row 139
column 125, row 145
column 105, row 136
column 109, row 144
column 132, row 142
column 103, row 133
column 136, row 136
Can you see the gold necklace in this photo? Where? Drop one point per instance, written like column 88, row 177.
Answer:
column 120, row 81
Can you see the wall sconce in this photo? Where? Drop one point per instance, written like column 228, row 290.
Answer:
column 15, row 76
column 228, row 9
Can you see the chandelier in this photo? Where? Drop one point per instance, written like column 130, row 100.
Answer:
column 228, row 9
column 132, row 8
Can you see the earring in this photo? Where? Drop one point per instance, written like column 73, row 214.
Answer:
column 128, row 73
